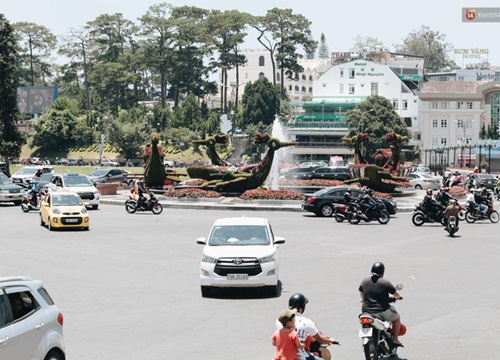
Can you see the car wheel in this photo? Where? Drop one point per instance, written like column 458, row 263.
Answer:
column 54, row 355
column 17, row 202
column 94, row 207
column 418, row 187
column 326, row 210
column 273, row 290
column 206, row 291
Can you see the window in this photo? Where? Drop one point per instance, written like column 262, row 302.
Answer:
column 304, row 77
column 444, row 105
column 341, row 88
column 261, row 61
column 395, row 104
column 374, row 89
column 261, row 75
column 405, row 104
column 278, row 76
column 296, row 88
column 444, row 123
column 351, row 73
column 310, row 78
column 290, row 87
column 311, row 90
column 469, row 105
column 434, row 123
column 351, row 88
column 341, row 73
column 434, row 142
column 460, row 123
column 460, row 105
column 443, row 141
column 434, row 105
column 303, row 89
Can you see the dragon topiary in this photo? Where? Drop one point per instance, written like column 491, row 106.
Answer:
column 231, row 179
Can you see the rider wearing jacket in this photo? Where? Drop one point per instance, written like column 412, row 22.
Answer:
column 443, row 197
column 374, row 292
column 367, row 201
column 138, row 192
column 451, row 210
column 430, row 204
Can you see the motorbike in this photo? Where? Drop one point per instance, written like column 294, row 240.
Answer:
column 31, row 199
column 376, row 336
column 421, row 215
column 152, row 204
column 452, row 226
column 379, row 213
column 340, row 212
column 472, row 215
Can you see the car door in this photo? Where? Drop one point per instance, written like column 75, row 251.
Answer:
column 45, row 207
column 115, row 175
column 7, row 340
column 28, row 324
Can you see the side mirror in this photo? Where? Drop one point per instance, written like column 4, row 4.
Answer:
column 86, row 204
column 399, row 287
column 279, row 240
column 201, row 241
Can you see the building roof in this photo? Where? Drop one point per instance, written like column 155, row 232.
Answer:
column 456, row 87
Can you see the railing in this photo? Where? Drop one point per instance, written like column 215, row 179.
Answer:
column 318, row 125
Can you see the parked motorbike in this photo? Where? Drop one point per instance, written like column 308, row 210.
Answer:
column 152, row 204
column 421, row 215
column 472, row 215
column 452, row 226
column 379, row 213
column 376, row 336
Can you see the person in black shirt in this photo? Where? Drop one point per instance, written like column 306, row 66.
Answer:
column 374, row 292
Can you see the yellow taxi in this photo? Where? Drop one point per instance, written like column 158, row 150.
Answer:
column 64, row 209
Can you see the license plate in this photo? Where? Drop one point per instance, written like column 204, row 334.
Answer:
column 237, row 276
column 71, row 220
column 365, row 332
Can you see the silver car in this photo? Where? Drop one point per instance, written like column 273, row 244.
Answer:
column 31, row 326
column 424, row 181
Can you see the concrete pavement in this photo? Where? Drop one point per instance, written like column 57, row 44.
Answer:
column 404, row 203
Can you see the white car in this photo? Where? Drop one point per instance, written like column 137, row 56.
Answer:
column 76, row 183
column 240, row 252
column 25, row 175
column 31, row 326
column 424, row 181
column 107, row 162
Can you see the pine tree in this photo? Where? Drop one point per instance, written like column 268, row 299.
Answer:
column 11, row 140
column 323, row 48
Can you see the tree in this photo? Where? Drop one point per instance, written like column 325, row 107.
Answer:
column 323, row 52
column 367, row 44
column 376, row 117
column 11, row 140
column 429, row 44
column 260, row 103
column 129, row 132
column 283, row 33
column 35, row 45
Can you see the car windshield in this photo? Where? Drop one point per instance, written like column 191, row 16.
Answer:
column 239, row 235
column 26, row 171
column 98, row 172
column 486, row 176
column 66, row 200
column 4, row 179
column 46, row 177
column 77, row 181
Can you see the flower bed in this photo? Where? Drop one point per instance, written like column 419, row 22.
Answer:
column 314, row 182
column 260, row 194
column 458, row 191
column 192, row 193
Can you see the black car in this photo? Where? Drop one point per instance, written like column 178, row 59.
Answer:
column 328, row 173
column 321, row 202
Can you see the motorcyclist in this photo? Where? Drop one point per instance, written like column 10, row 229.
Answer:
column 374, row 292
column 474, row 200
column 443, row 197
column 451, row 210
column 367, row 201
column 138, row 192
column 430, row 204
column 306, row 327
column 347, row 198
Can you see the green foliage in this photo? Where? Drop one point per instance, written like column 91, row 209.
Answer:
column 56, row 128
column 376, row 116
column 429, row 44
column 129, row 132
column 11, row 140
column 180, row 138
column 154, row 173
column 260, row 103
column 323, row 52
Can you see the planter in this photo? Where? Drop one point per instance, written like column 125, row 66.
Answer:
column 108, row 188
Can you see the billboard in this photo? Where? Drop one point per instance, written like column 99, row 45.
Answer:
column 35, row 99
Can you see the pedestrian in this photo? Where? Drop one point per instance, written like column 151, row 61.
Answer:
column 286, row 339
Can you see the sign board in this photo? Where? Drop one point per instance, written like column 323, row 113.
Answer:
column 35, row 99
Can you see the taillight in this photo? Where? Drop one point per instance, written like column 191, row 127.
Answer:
column 366, row 321
column 311, row 199
column 60, row 319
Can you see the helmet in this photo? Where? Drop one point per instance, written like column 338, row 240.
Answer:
column 472, row 190
column 297, row 301
column 378, row 269
column 429, row 191
column 347, row 195
column 452, row 201
column 369, row 191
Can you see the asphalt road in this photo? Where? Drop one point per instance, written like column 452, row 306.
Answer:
column 129, row 288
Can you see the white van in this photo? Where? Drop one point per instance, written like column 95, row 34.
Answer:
column 336, row 161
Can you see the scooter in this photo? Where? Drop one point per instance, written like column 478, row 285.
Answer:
column 472, row 215
column 421, row 215
column 452, row 226
column 378, row 213
column 153, row 205
column 376, row 336
column 31, row 199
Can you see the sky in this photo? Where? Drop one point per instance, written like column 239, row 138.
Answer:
column 390, row 21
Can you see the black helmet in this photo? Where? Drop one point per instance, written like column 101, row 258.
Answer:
column 369, row 191
column 297, row 301
column 347, row 195
column 378, row 269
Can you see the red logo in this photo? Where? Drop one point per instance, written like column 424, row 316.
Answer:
column 470, row 14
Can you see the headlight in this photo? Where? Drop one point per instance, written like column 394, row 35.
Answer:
column 84, row 210
column 208, row 259
column 267, row 259
column 56, row 211
column 4, row 191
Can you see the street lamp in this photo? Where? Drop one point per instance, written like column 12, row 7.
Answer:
column 490, row 144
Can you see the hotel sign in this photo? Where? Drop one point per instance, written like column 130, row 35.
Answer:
column 471, row 53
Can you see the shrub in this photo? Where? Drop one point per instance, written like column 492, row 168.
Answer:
column 192, row 193
column 261, row 194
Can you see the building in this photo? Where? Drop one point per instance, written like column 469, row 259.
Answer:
column 453, row 114
column 318, row 125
